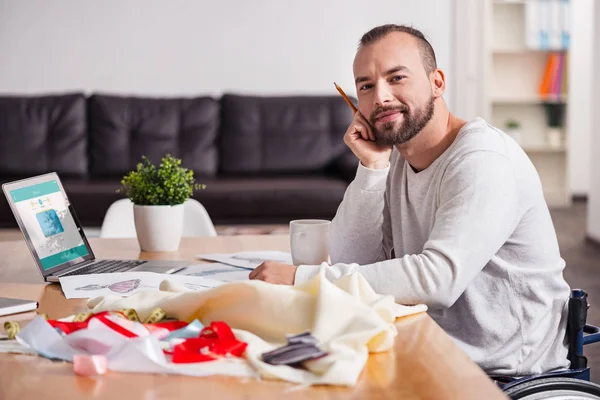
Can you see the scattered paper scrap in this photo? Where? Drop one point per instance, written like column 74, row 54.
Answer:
column 13, row 346
column 248, row 259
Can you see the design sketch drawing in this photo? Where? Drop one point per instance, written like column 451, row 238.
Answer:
column 117, row 287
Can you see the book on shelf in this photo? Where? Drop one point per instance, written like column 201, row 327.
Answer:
column 554, row 83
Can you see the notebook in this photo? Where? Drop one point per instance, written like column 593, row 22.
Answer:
column 14, row 306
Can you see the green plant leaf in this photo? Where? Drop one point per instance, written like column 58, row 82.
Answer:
column 169, row 184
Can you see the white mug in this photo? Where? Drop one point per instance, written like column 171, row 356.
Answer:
column 309, row 241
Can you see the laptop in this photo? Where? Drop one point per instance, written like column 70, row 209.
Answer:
column 54, row 234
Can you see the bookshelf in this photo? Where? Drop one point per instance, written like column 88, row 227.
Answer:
column 513, row 75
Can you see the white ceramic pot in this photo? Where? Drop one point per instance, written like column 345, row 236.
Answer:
column 554, row 138
column 158, row 228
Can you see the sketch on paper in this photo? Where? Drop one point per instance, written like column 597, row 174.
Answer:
column 117, row 287
column 217, row 271
column 127, row 283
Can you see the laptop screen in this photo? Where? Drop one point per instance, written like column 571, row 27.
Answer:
column 50, row 226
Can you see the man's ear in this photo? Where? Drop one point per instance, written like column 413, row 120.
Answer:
column 438, row 83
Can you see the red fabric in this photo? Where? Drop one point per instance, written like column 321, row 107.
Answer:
column 215, row 342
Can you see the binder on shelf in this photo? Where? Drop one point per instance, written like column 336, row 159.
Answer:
column 532, row 34
column 555, row 25
column 565, row 12
column 547, row 24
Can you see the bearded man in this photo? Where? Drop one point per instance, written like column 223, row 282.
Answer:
column 445, row 212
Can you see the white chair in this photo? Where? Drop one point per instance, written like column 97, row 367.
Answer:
column 118, row 221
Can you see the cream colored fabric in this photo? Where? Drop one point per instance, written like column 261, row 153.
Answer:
column 346, row 316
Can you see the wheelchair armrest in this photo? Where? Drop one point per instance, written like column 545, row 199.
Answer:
column 593, row 334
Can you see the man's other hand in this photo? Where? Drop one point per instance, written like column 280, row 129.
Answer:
column 275, row 272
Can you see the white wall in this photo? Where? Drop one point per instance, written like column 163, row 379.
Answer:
column 580, row 105
column 186, row 47
column 593, row 218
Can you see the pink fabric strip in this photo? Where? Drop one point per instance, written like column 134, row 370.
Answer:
column 89, row 365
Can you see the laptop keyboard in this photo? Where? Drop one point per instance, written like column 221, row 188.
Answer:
column 106, row 266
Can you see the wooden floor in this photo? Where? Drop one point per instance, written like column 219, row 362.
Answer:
column 582, row 258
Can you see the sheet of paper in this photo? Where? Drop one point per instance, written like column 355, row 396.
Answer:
column 12, row 346
column 217, row 271
column 248, row 259
column 127, row 283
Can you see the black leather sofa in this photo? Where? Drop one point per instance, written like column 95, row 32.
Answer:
column 263, row 159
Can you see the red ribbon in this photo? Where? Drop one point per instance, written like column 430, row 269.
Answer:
column 115, row 326
column 70, row 327
column 216, row 341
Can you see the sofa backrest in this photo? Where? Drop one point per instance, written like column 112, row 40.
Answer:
column 39, row 134
column 123, row 129
column 281, row 134
column 106, row 135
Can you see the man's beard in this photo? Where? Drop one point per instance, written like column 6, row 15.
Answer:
column 410, row 127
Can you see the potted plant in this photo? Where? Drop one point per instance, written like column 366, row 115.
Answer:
column 555, row 111
column 158, row 196
column 513, row 129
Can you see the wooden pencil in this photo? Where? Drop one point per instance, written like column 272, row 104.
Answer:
column 339, row 89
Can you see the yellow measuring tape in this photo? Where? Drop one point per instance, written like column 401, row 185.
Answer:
column 12, row 328
column 155, row 316
column 130, row 314
column 82, row 317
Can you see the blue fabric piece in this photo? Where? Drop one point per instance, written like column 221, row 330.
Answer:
column 192, row 330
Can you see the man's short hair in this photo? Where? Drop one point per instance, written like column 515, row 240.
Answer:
column 427, row 53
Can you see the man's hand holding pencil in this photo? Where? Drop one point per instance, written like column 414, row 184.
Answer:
column 360, row 139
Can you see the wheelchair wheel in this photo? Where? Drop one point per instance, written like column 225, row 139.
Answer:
column 554, row 388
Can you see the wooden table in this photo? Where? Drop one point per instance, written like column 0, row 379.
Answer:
column 424, row 363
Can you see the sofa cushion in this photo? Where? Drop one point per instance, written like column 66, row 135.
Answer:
column 40, row 134
column 283, row 134
column 123, row 129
